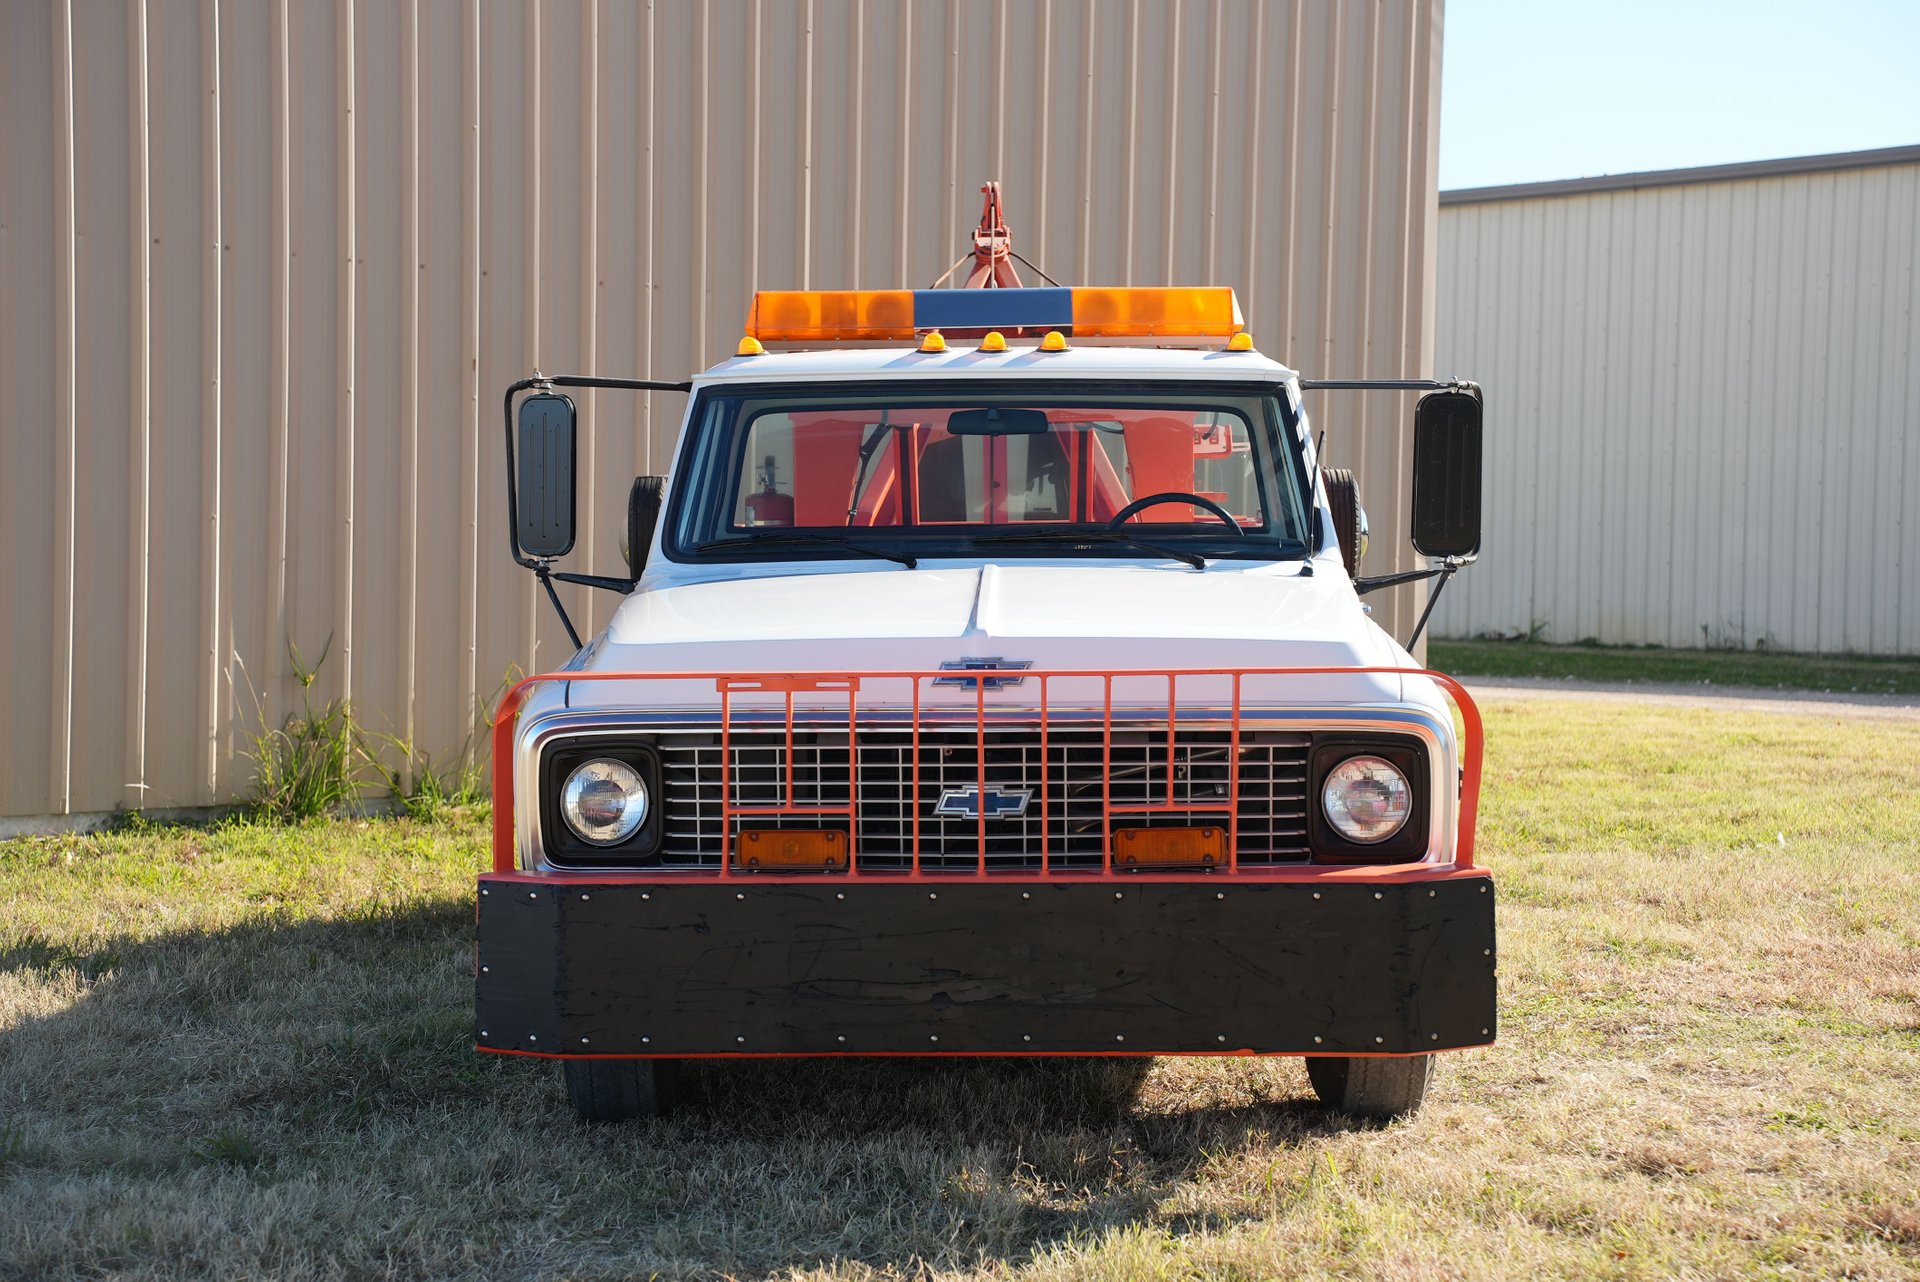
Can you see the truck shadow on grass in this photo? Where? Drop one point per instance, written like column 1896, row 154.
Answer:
column 275, row 1096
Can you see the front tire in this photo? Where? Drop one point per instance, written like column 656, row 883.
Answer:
column 619, row 1090
column 1372, row 1086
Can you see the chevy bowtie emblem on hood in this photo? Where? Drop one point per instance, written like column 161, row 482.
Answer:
column 994, row 664
column 995, row 803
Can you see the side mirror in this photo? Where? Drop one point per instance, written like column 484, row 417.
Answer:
column 544, row 476
column 1446, row 475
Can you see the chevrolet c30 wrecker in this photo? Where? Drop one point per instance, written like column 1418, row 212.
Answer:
column 992, row 680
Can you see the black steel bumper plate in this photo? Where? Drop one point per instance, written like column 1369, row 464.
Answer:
column 768, row 965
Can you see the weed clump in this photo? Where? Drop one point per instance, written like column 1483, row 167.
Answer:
column 321, row 760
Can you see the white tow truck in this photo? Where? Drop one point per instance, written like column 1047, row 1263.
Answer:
column 992, row 678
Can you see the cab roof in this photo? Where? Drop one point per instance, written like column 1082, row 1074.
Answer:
column 1024, row 359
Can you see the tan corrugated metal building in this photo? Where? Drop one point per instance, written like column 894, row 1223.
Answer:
column 265, row 268
column 1704, row 404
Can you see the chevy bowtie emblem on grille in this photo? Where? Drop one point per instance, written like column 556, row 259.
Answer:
column 994, row 664
column 995, row 803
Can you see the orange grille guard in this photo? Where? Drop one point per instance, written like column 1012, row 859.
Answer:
column 788, row 684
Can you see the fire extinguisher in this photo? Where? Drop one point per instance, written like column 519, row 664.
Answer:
column 769, row 506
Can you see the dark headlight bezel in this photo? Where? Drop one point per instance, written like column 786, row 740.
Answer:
column 561, row 845
column 1408, row 755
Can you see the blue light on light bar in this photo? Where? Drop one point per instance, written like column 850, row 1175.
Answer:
column 1002, row 309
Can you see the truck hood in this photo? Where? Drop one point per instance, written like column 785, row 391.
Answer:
column 1046, row 616
column 1080, row 602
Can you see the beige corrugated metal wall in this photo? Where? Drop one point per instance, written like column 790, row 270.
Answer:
column 1703, row 411
column 265, row 268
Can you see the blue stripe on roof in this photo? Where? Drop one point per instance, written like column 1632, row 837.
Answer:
column 992, row 308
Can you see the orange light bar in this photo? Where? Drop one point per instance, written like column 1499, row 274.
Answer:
column 1207, row 311
column 798, row 849
column 791, row 315
column 1169, row 847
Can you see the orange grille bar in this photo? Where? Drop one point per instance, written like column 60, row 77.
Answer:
column 907, row 689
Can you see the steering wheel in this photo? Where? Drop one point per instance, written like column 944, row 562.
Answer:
column 1176, row 496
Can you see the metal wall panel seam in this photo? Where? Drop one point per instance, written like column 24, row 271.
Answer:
column 806, row 150
column 280, row 375
column 997, row 88
column 211, row 340
column 1255, row 81
column 1045, row 131
column 1363, row 327
column 951, row 236
column 645, row 255
column 589, row 178
column 1324, row 226
column 1172, row 158
column 1086, row 149
column 703, row 79
column 903, row 63
column 346, row 251
column 530, row 277
column 410, row 391
column 856, row 150
column 470, row 369
column 66, row 418
column 140, row 411
column 1290, row 183
column 1214, row 37
column 1129, row 179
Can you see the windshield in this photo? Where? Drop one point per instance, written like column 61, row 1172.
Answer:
column 953, row 469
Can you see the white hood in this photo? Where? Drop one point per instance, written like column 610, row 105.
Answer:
column 1051, row 616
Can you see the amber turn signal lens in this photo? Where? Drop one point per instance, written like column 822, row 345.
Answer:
column 1135, row 848
column 794, row 849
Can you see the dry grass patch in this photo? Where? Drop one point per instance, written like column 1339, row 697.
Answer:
column 244, row 1051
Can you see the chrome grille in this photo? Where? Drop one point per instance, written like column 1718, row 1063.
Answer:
column 1272, row 803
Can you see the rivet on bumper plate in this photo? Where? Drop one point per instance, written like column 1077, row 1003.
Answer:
column 1318, row 1040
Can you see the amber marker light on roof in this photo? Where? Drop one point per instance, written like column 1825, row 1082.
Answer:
column 749, row 346
column 995, row 341
column 1241, row 342
column 933, row 343
column 1055, row 341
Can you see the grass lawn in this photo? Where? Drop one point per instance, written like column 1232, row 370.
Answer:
column 244, row 1050
column 1848, row 673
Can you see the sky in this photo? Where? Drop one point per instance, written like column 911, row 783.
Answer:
column 1533, row 91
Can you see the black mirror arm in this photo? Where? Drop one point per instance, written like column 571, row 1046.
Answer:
column 1448, row 567
column 1444, row 571
column 542, row 573
column 605, row 583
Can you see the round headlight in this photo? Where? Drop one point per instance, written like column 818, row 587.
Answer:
column 604, row 801
column 1367, row 799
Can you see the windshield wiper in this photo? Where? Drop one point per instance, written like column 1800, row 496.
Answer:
column 1193, row 559
column 796, row 540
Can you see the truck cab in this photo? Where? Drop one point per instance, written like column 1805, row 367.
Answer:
column 993, row 678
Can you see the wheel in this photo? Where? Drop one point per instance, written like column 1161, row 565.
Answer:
column 1374, row 1086
column 1343, row 496
column 617, row 1090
